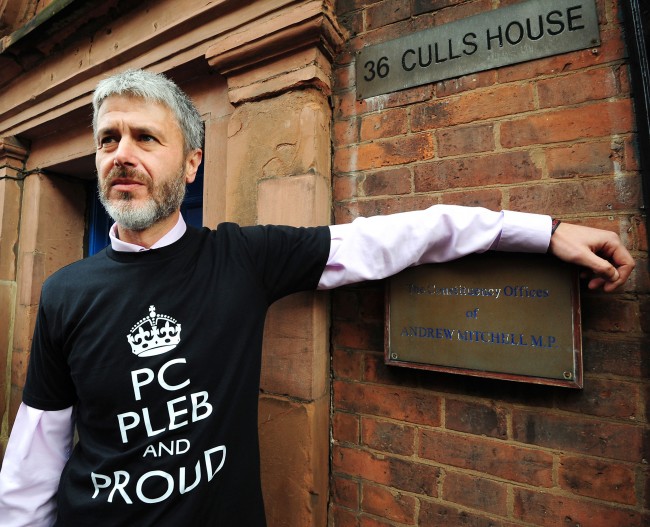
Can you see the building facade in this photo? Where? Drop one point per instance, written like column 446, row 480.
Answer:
column 347, row 440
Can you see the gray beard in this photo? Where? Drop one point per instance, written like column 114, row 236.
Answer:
column 161, row 203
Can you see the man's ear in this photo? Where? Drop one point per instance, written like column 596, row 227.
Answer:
column 192, row 163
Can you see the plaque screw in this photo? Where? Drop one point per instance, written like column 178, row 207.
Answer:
column 568, row 375
column 393, row 355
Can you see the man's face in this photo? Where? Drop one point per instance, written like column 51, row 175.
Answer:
column 140, row 162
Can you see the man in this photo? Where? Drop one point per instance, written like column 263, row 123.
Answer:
column 152, row 347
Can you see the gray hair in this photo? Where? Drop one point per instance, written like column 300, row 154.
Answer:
column 157, row 88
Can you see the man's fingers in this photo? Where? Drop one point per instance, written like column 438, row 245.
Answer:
column 599, row 251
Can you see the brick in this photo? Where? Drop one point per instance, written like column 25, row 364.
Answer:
column 642, row 237
column 397, row 151
column 377, row 371
column 619, row 315
column 344, row 6
column 604, row 398
column 371, row 303
column 344, row 187
column 342, row 517
column 346, row 132
column 644, row 315
column 594, row 84
column 476, row 493
column 472, row 106
column 616, row 356
column 387, row 182
column 439, row 514
column 388, row 123
column 361, row 301
column 345, row 493
column 574, row 433
column 465, row 140
column 569, row 124
column 503, row 168
column 490, row 456
column 352, row 22
column 622, row 75
column 403, row 26
column 348, row 364
column 388, row 504
column 346, row 105
column 599, row 479
column 345, row 212
column 473, row 81
column 391, row 205
column 409, row 406
column 548, row 510
column 584, row 159
column 345, row 428
column 358, row 335
column 424, row 6
column 645, row 500
column 403, row 97
column 463, row 10
column 385, row 470
column 476, row 418
column 367, row 521
column 388, row 436
column 387, row 12
column 630, row 155
column 345, row 303
column 414, row 477
column 489, row 198
column 343, row 75
column 577, row 197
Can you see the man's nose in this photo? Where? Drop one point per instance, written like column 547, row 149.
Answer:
column 124, row 154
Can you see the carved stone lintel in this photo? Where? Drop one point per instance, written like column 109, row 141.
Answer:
column 13, row 147
column 13, row 154
column 296, row 46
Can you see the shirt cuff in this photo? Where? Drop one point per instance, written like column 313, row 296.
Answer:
column 524, row 232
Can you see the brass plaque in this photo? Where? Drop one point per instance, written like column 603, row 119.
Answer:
column 500, row 315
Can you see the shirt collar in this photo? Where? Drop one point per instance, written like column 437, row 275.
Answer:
column 172, row 236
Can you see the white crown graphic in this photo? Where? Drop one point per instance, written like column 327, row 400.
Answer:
column 154, row 335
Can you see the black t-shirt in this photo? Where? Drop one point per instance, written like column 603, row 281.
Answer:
column 160, row 354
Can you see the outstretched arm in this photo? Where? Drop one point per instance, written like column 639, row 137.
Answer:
column 599, row 251
column 377, row 247
column 380, row 246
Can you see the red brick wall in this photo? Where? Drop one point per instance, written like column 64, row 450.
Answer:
column 555, row 136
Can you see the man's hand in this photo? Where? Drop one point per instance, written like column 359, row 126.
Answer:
column 598, row 250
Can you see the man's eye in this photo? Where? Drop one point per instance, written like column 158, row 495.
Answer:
column 147, row 138
column 106, row 140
